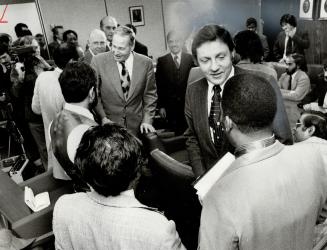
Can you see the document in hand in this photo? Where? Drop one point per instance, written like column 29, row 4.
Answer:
column 204, row 183
column 38, row 202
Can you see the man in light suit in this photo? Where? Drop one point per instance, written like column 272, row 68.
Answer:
column 171, row 76
column 127, row 88
column 97, row 44
column 110, row 158
column 290, row 40
column 272, row 195
column 213, row 49
column 295, row 85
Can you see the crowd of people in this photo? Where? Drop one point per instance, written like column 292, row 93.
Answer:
column 83, row 114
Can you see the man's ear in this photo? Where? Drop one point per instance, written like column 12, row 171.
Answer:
column 311, row 130
column 91, row 93
column 228, row 123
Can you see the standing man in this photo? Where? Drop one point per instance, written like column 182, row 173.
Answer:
column 108, row 24
column 213, row 49
column 127, row 87
column 97, row 44
column 271, row 196
column 252, row 25
column 48, row 100
column 171, row 76
column 57, row 32
column 290, row 40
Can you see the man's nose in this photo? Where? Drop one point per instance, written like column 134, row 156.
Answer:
column 214, row 65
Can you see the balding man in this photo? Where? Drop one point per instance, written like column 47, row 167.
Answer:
column 108, row 24
column 97, row 44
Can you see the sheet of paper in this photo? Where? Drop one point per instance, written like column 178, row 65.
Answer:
column 204, row 184
column 38, row 202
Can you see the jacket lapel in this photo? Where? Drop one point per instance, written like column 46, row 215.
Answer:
column 137, row 69
column 114, row 72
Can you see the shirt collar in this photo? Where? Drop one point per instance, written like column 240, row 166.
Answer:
column 79, row 110
column 211, row 85
column 178, row 54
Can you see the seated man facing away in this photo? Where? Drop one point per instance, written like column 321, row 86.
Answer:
column 312, row 124
column 272, row 195
column 295, row 85
column 78, row 86
column 110, row 217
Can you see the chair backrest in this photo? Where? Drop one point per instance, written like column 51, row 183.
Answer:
column 12, row 204
column 313, row 72
column 195, row 74
column 175, row 171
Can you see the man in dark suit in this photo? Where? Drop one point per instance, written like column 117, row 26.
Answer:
column 213, row 49
column 139, row 47
column 97, row 44
column 78, row 85
column 171, row 76
column 290, row 40
column 108, row 24
column 127, row 87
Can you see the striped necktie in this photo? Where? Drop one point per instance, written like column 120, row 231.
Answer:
column 176, row 61
column 125, row 80
column 215, row 118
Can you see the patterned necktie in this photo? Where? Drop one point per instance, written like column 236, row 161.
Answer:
column 176, row 61
column 290, row 83
column 125, row 80
column 289, row 47
column 214, row 118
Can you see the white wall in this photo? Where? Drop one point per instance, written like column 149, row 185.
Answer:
column 79, row 15
column 20, row 13
column 151, row 34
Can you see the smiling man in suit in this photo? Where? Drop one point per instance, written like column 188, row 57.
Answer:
column 171, row 77
column 213, row 49
column 126, row 84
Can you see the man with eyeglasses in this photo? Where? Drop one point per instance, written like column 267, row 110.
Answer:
column 97, row 44
column 290, row 40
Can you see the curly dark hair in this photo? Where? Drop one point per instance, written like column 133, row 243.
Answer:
column 109, row 158
column 248, row 45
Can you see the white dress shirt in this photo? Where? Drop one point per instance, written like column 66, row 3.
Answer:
column 128, row 64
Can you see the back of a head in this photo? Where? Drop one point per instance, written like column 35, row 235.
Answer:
column 250, row 101
column 3, row 49
column 109, row 158
column 288, row 18
column 210, row 33
column 318, row 120
column 19, row 28
column 251, row 21
column 248, row 45
column 76, row 80
column 63, row 54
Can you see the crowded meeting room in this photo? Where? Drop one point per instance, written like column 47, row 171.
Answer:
column 163, row 124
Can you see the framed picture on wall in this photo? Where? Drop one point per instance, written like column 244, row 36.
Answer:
column 136, row 15
column 323, row 10
column 306, row 9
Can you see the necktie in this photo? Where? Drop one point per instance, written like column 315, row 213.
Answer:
column 289, row 47
column 176, row 61
column 290, row 83
column 125, row 80
column 214, row 118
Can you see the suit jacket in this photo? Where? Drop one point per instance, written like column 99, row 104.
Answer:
column 300, row 87
column 64, row 123
column 171, row 84
column 119, row 222
column 200, row 147
column 142, row 98
column 300, row 43
column 87, row 56
column 140, row 48
column 271, row 199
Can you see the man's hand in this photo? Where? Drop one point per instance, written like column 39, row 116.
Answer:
column 291, row 33
column 105, row 120
column 2, row 97
column 146, row 128
column 162, row 113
